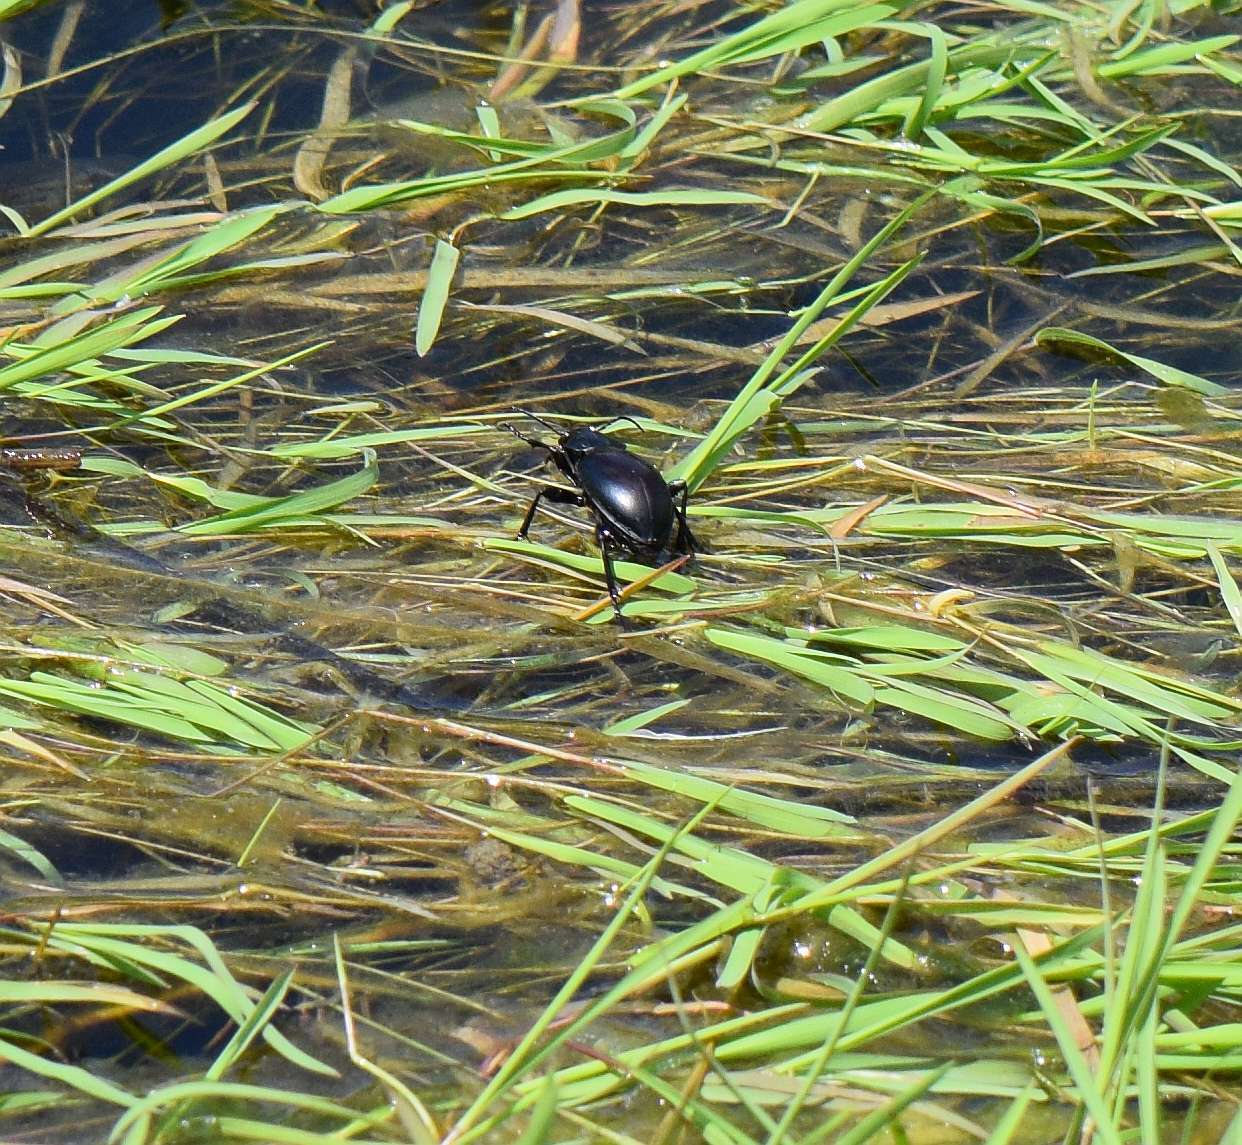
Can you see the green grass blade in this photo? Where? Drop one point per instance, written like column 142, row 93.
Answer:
column 883, row 1120
column 52, row 357
column 792, row 27
column 1162, row 58
column 435, row 296
column 294, row 509
column 1169, row 375
column 761, row 394
column 1084, row 1081
column 72, row 1076
column 529, row 1052
column 1010, row 1123
column 934, row 86
column 1229, row 591
column 30, row 854
column 174, row 153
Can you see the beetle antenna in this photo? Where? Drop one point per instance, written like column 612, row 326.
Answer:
column 556, row 429
column 625, row 417
column 513, row 429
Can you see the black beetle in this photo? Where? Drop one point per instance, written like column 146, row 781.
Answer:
column 635, row 509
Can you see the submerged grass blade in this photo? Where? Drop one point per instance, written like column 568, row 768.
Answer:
column 71, row 1076
column 295, row 509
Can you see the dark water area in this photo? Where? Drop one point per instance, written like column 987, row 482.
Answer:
column 151, row 73
column 143, row 74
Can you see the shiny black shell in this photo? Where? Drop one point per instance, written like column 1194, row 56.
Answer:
column 629, row 495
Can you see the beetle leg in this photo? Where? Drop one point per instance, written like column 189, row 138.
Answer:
column 604, row 538
column 557, row 497
column 530, row 515
column 686, row 541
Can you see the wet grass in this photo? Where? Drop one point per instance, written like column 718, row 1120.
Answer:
column 907, row 811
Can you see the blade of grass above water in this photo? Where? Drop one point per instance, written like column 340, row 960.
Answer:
column 435, row 296
column 174, row 153
column 113, row 334
column 275, row 510
column 1169, row 375
column 763, row 392
column 795, row 26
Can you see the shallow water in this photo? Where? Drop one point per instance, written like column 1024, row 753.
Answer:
column 421, row 823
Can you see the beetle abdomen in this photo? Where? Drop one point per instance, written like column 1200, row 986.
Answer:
column 630, row 496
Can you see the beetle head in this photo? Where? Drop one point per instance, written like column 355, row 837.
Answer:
column 575, row 444
column 578, row 443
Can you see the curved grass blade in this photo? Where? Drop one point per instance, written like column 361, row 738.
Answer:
column 1169, row 375
column 31, row 855
column 134, row 1126
column 1229, row 591
column 763, row 392
column 934, row 85
column 72, row 1076
column 124, row 942
column 435, row 296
